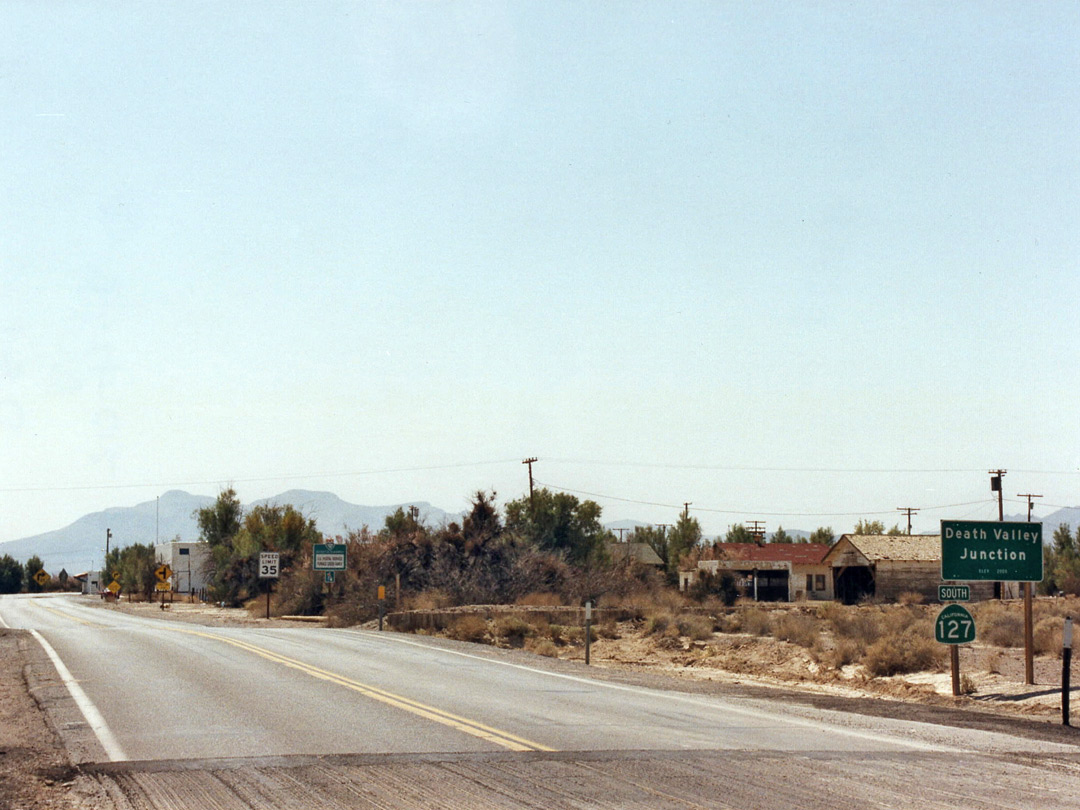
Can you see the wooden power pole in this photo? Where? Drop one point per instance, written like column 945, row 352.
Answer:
column 530, row 461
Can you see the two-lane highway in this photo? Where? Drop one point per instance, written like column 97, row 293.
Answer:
column 155, row 690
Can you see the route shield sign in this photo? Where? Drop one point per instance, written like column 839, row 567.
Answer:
column 328, row 556
column 954, row 625
column 985, row 550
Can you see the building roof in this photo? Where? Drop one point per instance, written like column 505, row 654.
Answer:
column 796, row 553
column 922, row 547
column 639, row 552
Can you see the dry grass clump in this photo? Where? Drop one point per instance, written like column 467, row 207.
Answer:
column 843, row 651
column 1047, row 636
column 697, row 628
column 469, row 627
column 910, row 598
column 542, row 646
column 755, row 621
column 860, row 624
column 910, row 651
column 431, row 599
column 797, row 628
column 656, row 624
column 1000, row 625
column 540, row 599
column 512, row 630
column 608, row 629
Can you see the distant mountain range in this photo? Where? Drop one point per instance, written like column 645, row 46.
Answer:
column 81, row 546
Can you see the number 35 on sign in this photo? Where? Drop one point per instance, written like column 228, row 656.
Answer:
column 269, row 562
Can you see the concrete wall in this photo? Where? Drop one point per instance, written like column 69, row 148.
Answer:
column 188, row 561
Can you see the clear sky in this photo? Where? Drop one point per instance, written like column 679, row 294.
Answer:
column 800, row 262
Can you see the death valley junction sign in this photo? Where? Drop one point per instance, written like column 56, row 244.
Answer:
column 984, row 550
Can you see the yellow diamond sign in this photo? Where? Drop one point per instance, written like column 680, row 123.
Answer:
column 42, row 578
column 113, row 587
column 163, row 572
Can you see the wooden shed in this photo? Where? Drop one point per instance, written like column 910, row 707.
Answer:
column 885, row 566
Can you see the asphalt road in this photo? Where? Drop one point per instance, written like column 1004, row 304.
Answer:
column 160, row 712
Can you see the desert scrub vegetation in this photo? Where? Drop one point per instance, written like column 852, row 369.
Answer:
column 468, row 627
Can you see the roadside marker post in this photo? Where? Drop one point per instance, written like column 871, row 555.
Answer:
column 588, row 630
column 382, row 605
column 1066, row 667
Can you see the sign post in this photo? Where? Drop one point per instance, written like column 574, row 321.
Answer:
column 954, row 626
column 269, row 568
column 588, row 630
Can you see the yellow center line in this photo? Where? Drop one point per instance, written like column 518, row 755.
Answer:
column 472, row 727
column 73, row 618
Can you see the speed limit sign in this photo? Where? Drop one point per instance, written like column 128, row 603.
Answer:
column 269, row 562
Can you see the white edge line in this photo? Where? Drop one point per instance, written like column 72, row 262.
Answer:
column 759, row 713
column 86, row 706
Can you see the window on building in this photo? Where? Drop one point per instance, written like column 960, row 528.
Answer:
column 185, row 551
column 809, row 582
column 820, row 582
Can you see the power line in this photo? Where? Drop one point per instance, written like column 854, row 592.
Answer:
column 755, row 468
column 862, row 513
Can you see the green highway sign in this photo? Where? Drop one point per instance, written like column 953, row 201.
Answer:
column 328, row 556
column 953, row 593
column 987, row 550
column 954, row 625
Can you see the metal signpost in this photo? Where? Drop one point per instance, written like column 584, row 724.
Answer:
column 954, row 626
column 269, row 568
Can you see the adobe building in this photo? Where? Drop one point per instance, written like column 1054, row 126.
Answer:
column 771, row 572
column 875, row 566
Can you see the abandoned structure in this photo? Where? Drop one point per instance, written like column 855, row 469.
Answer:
column 771, row 572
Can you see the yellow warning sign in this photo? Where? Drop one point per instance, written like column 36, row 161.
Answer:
column 42, row 578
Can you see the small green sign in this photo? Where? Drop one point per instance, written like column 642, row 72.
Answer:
column 954, row 625
column 328, row 556
column 976, row 550
column 953, row 593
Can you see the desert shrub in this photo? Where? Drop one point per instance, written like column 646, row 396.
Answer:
column 967, row 685
column 910, row 598
column 1001, row 628
column 540, row 599
column 842, row 652
column 512, row 630
column 430, row 599
column 608, row 629
column 993, row 661
column 300, row 593
column 697, row 628
column 755, row 621
column 720, row 586
column 862, row 625
column 899, row 654
column 1047, row 636
column 797, row 629
column 348, row 613
column 469, row 627
column 542, row 646
column 658, row 623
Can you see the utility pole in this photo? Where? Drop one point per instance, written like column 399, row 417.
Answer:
column 910, row 510
column 995, row 486
column 108, row 537
column 1029, row 500
column 530, row 461
column 621, row 532
column 757, row 530
column 1029, row 621
column 686, row 510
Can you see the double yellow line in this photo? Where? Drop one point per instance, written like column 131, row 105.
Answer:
column 472, row 727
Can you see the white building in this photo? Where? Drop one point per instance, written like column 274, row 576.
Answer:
column 188, row 563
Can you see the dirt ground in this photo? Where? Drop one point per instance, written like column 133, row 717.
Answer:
column 36, row 774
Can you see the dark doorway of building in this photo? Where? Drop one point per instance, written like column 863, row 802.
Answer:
column 854, row 583
column 772, row 586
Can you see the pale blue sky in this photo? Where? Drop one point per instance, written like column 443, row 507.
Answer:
column 652, row 244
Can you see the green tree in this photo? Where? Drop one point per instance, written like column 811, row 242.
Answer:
column 822, row 534
column 683, row 538
column 780, row 536
column 33, row 565
column 1061, row 562
column 738, row 534
column 11, row 574
column 220, row 522
column 869, row 527
column 136, row 565
column 559, row 522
